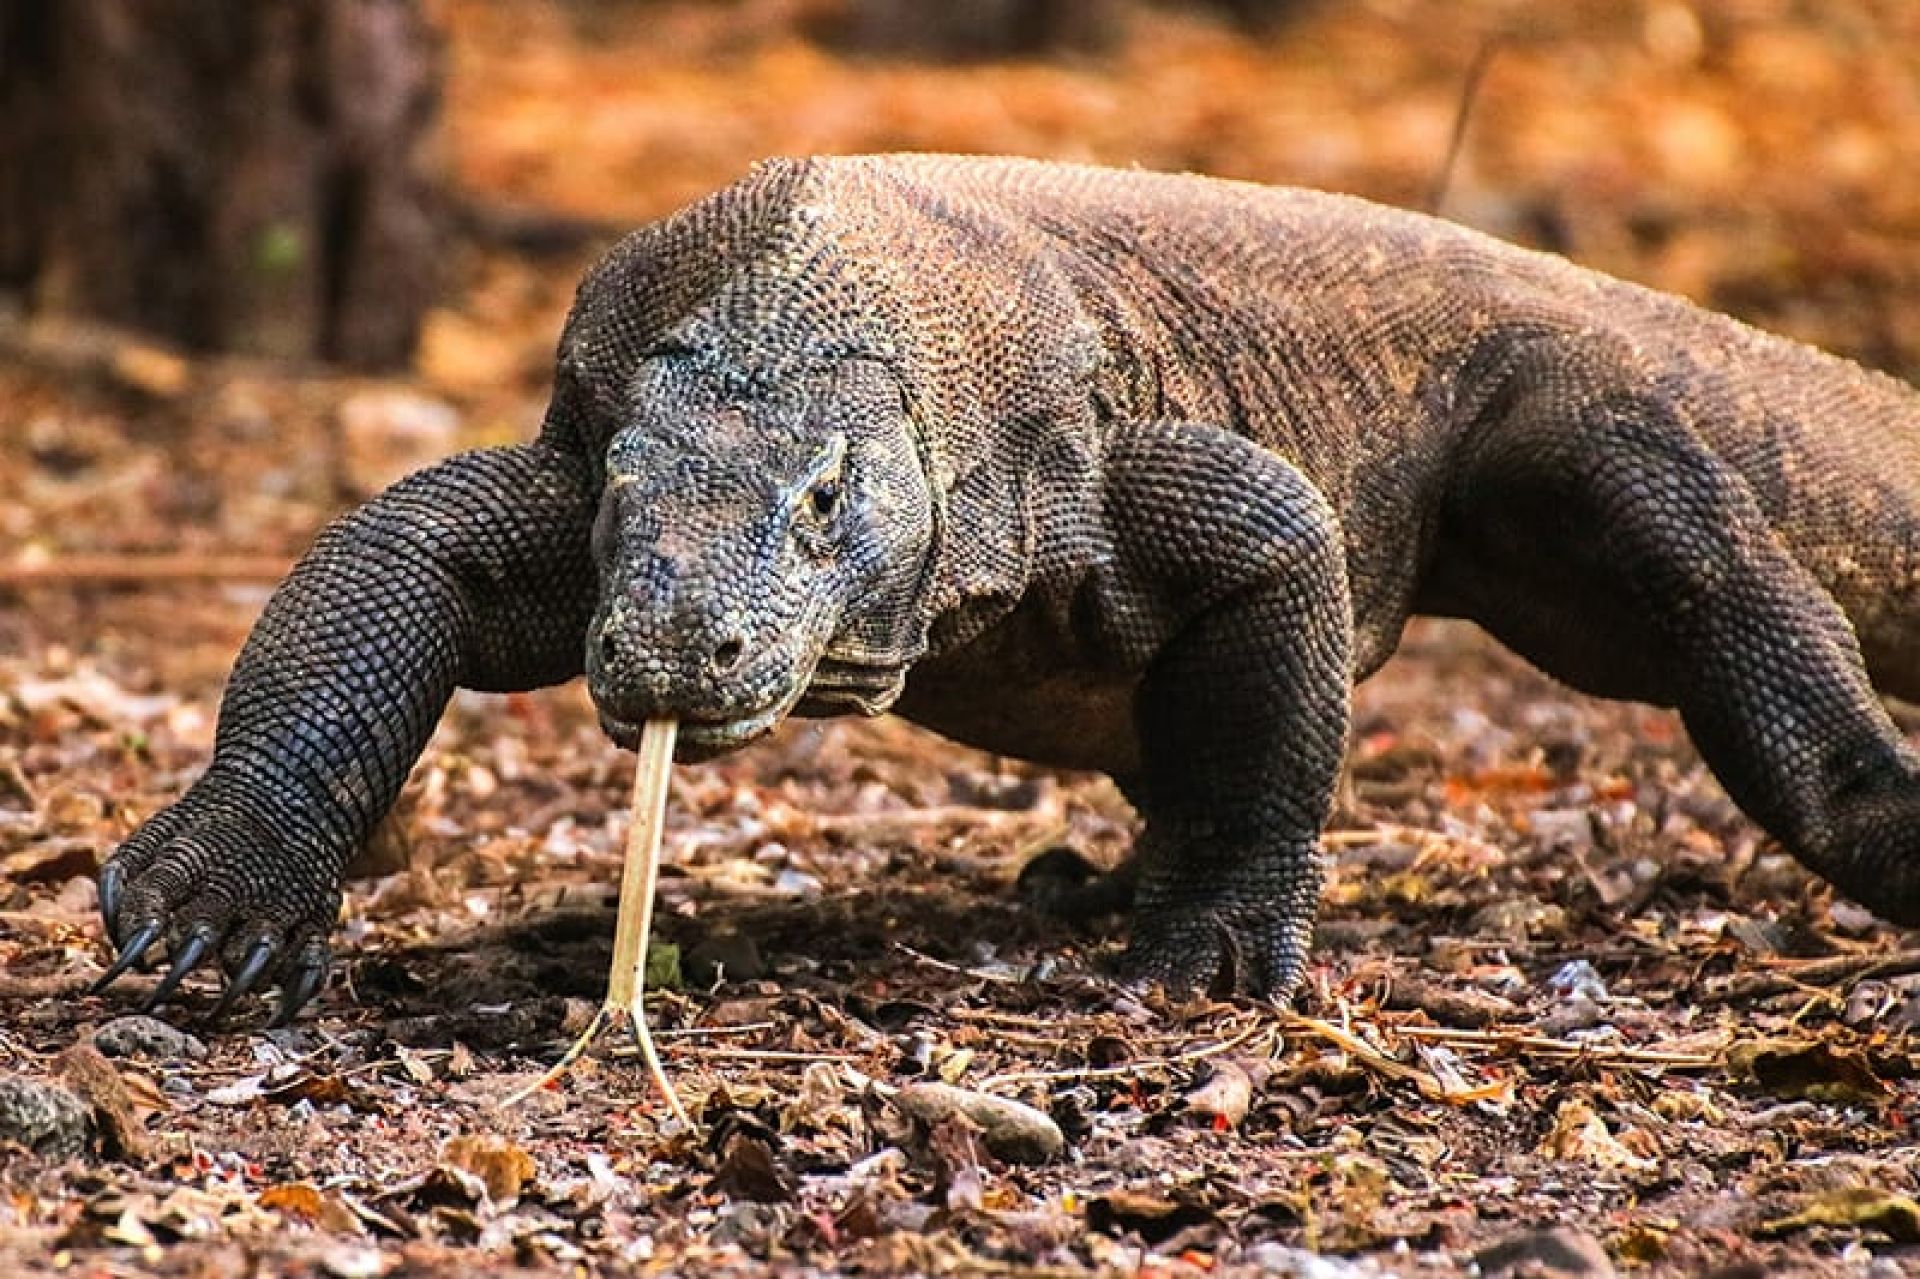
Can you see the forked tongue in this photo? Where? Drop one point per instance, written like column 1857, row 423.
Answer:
column 626, row 983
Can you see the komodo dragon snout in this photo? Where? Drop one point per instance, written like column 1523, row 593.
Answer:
column 760, row 545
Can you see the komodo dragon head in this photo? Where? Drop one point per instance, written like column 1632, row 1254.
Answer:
column 760, row 544
column 796, row 410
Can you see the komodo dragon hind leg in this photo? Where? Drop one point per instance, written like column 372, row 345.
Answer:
column 1613, row 519
column 1242, row 713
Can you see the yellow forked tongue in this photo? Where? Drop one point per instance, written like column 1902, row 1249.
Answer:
column 626, row 983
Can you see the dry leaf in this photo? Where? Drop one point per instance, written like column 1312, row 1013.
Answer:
column 1818, row 1069
column 1856, row 1208
column 502, row 1167
column 1225, row 1097
column 1579, row 1133
column 88, row 1072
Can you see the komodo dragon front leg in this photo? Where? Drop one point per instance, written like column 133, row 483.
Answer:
column 475, row 572
column 1228, row 575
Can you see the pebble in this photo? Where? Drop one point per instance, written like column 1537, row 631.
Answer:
column 1012, row 1130
column 1557, row 1250
column 1297, row 1263
column 1578, row 979
column 1576, row 1014
column 148, row 1037
column 797, row 883
column 1568, row 830
column 44, row 1117
column 1518, row 918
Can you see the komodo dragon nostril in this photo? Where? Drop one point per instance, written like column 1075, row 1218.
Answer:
column 609, row 648
column 726, row 656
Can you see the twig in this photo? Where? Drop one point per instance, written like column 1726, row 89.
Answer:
column 713, row 1032
column 393, row 1063
column 1124, row 1068
column 909, row 820
column 1793, row 975
column 107, row 569
column 946, row 967
column 1374, row 1059
column 1542, row 1045
column 1463, row 113
column 1014, row 1021
column 51, row 986
column 758, row 1054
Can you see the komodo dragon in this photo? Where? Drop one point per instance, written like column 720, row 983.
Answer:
column 1108, row 470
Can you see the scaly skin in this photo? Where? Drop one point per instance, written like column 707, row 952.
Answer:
column 1108, row 470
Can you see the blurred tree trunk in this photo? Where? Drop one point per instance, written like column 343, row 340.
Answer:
column 963, row 29
column 958, row 30
column 246, row 175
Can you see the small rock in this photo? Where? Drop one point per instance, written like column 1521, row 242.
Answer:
column 1559, row 1250
column 152, row 369
column 148, row 1037
column 1012, row 1130
column 44, row 1117
column 387, row 434
column 354, row 1261
column 1448, row 1005
column 1576, row 1014
column 1851, row 919
column 1578, row 979
column 722, row 956
column 1297, row 1263
column 1568, row 830
column 86, row 1070
column 797, row 883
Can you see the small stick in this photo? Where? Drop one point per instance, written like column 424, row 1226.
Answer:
column 1792, row 975
column 1600, row 1054
column 1429, row 1085
column 896, row 820
column 626, row 983
column 1127, row 1067
column 1463, row 112
column 976, row 973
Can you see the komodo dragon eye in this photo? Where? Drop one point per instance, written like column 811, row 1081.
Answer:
column 824, row 498
column 826, row 491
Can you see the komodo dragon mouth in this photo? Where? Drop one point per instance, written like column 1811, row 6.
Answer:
column 835, row 689
column 707, row 739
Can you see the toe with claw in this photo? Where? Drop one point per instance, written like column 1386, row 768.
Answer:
column 211, row 876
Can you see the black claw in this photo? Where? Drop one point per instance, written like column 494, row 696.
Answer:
column 132, row 953
column 198, row 944
column 303, row 985
column 111, row 878
column 252, row 968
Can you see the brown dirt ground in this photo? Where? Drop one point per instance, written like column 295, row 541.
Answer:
column 1560, row 979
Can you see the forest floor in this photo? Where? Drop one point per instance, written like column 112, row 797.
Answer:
column 1568, row 1009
